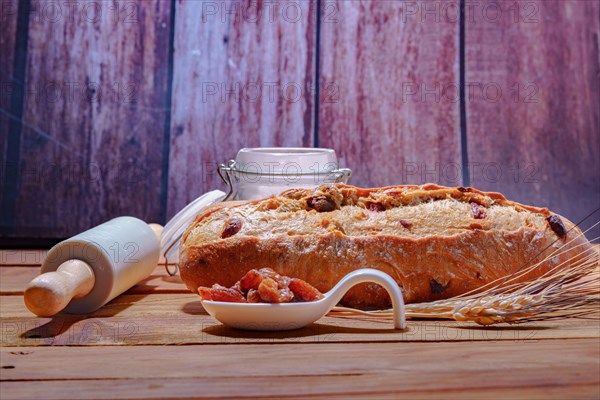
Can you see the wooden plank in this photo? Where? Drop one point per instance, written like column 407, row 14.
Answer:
column 349, row 386
column 147, row 329
column 580, row 391
column 243, row 77
column 304, row 369
column 388, row 83
column 535, row 117
column 30, row 257
column 180, row 319
column 219, row 360
column 366, row 386
column 13, row 281
column 94, row 119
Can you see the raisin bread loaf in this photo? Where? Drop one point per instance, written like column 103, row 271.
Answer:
column 437, row 242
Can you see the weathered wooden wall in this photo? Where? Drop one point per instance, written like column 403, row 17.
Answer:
column 379, row 59
column 533, row 129
column 122, row 107
column 11, row 101
column 240, row 80
column 94, row 107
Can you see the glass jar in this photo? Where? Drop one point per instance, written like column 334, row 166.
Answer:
column 264, row 171
column 254, row 174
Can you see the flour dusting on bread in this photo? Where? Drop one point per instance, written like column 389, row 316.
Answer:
column 436, row 241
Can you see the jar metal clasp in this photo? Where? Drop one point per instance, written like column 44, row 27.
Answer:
column 226, row 173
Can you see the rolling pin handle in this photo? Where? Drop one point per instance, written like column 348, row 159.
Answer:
column 157, row 229
column 50, row 293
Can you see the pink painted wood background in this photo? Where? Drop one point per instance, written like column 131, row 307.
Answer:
column 534, row 129
column 379, row 59
column 240, row 80
column 125, row 108
column 10, row 81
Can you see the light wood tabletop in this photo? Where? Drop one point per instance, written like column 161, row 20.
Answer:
column 156, row 341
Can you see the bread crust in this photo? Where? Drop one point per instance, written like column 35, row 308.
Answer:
column 464, row 254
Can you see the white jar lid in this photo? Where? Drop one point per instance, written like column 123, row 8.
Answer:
column 286, row 160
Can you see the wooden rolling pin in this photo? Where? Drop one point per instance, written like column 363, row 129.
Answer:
column 83, row 273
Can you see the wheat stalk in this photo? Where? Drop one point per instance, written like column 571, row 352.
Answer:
column 570, row 289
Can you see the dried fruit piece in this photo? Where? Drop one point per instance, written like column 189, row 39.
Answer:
column 205, row 293
column 268, row 290
column 285, row 295
column 377, row 207
column 283, row 282
column 436, row 287
column 321, row 203
column 237, row 286
column 268, row 273
column 231, row 228
column 557, row 225
column 253, row 296
column 304, row 291
column 250, row 281
column 406, row 224
column 221, row 293
column 262, row 286
column 270, row 293
column 478, row 211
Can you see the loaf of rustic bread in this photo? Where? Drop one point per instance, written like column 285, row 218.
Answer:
column 435, row 241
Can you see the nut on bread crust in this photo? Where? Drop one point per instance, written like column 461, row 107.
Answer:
column 435, row 241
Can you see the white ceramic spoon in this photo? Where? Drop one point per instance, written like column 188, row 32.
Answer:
column 287, row 316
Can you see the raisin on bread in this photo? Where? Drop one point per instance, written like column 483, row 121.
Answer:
column 435, row 241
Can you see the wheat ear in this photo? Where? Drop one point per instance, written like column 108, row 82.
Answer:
column 570, row 289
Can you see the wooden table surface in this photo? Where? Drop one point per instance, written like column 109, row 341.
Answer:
column 156, row 341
